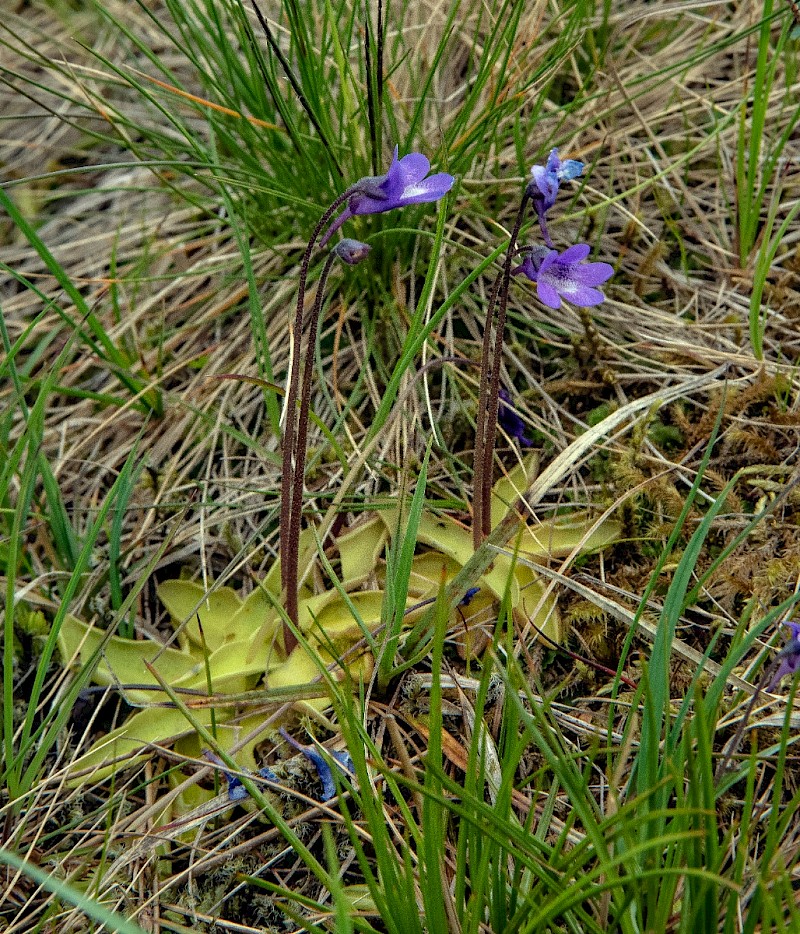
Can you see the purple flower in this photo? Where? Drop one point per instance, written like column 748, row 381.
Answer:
column 563, row 275
column 342, row 759
column 509, row 421
column 404, row 183
column 351, row 251
column 789, row 657
column 543, row 187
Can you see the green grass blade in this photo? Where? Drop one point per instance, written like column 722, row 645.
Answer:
column 111, row 921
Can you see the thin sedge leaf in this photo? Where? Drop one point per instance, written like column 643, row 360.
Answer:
column 115, row 358
column 398, row 573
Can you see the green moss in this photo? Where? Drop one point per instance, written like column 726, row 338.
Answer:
column 666, row 437
column 596, row 415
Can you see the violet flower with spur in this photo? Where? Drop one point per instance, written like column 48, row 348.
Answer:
column 543, row 187
column 509, row 420
column 565, row 275
column 789, row 657
column 404, row 183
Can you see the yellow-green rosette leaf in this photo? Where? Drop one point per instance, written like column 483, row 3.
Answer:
column 558, row 537
column 257, row 611
column 511, row 486
column 231, row 669
column 304, row 666
column 186, row 601
column 134, row 741
column 336, row 620
column 122, row 660
column 453, row 540
column 360, row 551
column 536, row 606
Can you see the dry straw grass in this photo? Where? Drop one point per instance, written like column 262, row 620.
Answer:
column 166, row 281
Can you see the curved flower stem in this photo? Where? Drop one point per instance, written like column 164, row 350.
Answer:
column 480, row 421
column 310, row 327
column 293, row 457
column 492, row 358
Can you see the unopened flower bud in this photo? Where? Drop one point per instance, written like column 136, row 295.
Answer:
column 351, row 251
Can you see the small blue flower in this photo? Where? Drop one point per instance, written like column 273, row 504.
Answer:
column 789, row 657
column 565, row 275
column 543, row 187
column 509, row 421
column 404, row 183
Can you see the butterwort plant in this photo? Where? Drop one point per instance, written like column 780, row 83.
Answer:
column 406, row 182
column 558, row 276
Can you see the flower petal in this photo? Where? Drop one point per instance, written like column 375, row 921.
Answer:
column 342, row 759
column 789, row 663
column 594, row 273
column 468, row 597
column 236, row 790
column 583, row 296
column 528, row 268
column 547, row 178
column 795, row 627
column 412, row 167
column 509, row 420
column 547, row 183
column 548, row 294
column 365, row 204
column 547, row 261
column 569, row 169
column 574, row 254
column 429, row 189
